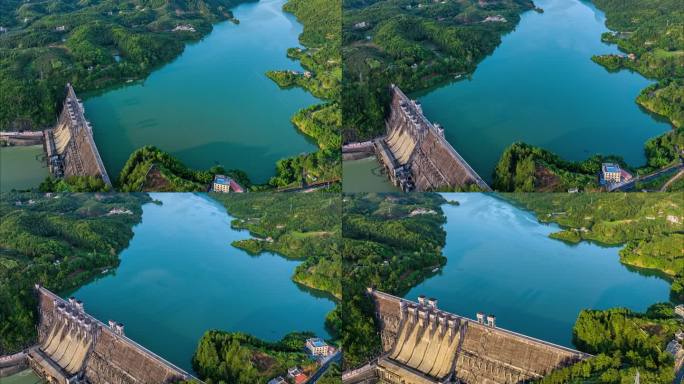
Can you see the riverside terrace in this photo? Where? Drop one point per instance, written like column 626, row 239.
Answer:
column 424, row 345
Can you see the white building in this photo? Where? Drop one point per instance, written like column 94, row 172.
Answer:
column 317, row 347
column 611, row 172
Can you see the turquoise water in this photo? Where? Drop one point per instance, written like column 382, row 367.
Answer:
column 500, row 260
column 180, row 277
column 214, row 104
column 541, row 87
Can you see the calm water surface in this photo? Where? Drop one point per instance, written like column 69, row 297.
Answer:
column 214, row 104
column 541, row 87
column 365, row 175
column 181, row 277
column 21, row 167
column 23, row 377
column 500, row 260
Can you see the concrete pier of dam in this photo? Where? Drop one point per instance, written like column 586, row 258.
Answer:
column 75, row 348
column 422, row 344
column 416, row 154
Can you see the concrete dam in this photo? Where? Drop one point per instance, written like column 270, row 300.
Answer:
column 76, row 348
column 415, row 153
column 424, row 345
column 69, row 147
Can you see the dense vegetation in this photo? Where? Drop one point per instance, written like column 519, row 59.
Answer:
column 60, row 241
column 526, row 168
column 298, row 226
column 387, row 248
column 652, row 31
column 74, row 184
column 651, row 35
column 323, row 64
column 332, row 376
column 112, row 42
column 238, row 358
column 666, row 98
column 92, row 44
column 414, row 44
column 150, row 169
column 623, row 343
column 650, row 225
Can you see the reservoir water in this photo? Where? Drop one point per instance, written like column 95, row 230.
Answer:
column 500, row 260
column 541, row 87
column 180, row 277
column 214, row 103
column 21, row 167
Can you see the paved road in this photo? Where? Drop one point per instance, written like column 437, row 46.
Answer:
column 672, row 180
column 630, row 184
column 680, row 375
column 313, row 186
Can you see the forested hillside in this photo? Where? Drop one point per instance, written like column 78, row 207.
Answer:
column 322, row 61
column 649, row 225
column 624, row 343
column 92, row 44
column 414, row 44
column 388, row 248
column 151, row 169
column 304, row 227
column 238, row 358
column 298, row 226
column 650, row 34
column 60, row 241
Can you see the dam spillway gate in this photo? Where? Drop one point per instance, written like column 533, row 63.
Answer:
column 75, row 348
column 415, row 153
column 70, row 147
column 422, row 344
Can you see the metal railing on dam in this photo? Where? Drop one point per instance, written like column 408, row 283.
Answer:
column 423, row 345
column 75, row 347
column 416, row 154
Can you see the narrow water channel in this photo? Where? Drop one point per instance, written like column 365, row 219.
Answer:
column 500, row 260
column 214, row 104
column 365, row 175
column 22, row 167
column 180, row 277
